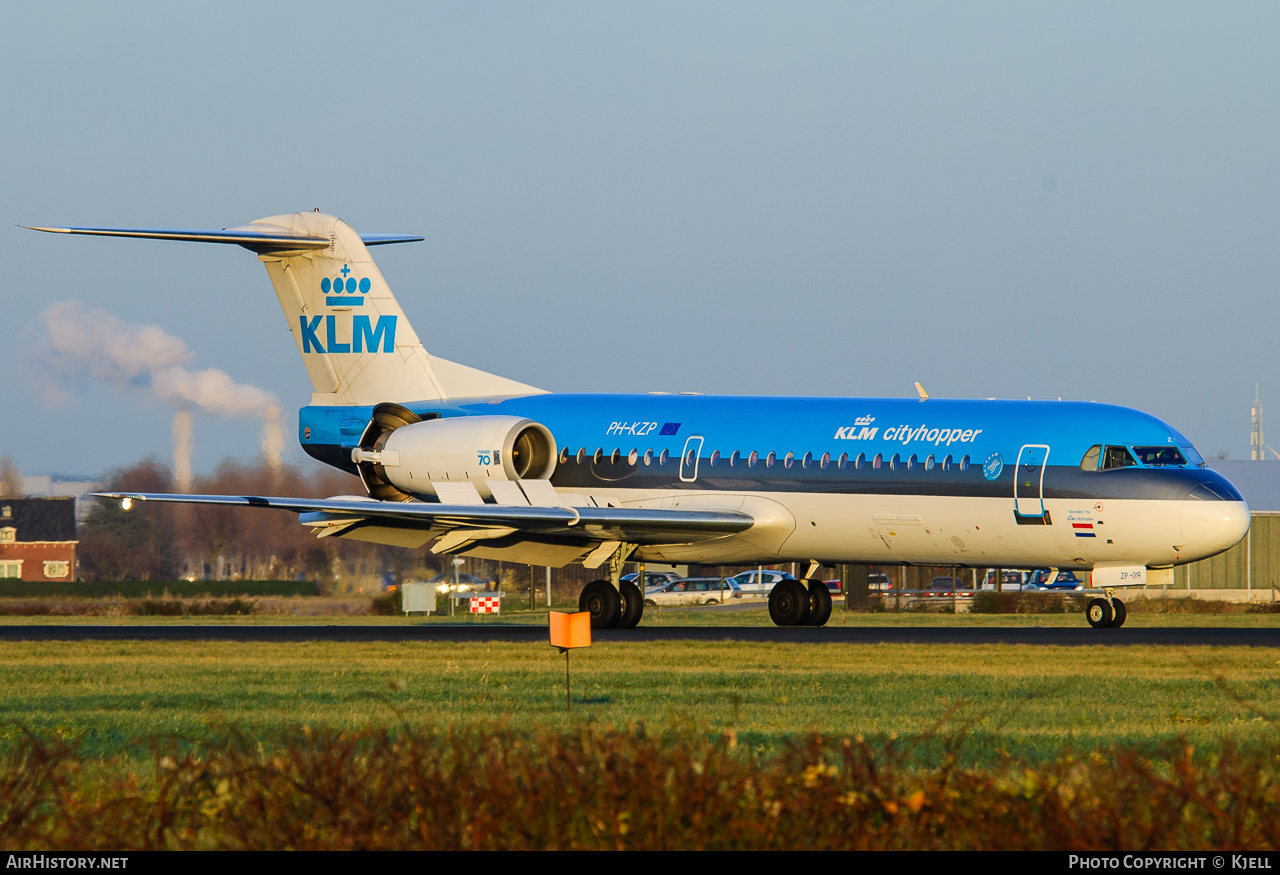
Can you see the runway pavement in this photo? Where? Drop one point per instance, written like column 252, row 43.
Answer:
column 1035, row 635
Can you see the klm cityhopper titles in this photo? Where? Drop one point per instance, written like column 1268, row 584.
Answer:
column 488, row 467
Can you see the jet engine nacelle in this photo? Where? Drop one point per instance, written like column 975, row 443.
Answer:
column 401, row 455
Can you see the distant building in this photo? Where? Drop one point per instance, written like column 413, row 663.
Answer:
column 38, row 538
column 45, row 485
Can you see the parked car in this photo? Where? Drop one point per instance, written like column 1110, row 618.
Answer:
column 1066, row 580
column 466, row 583
column 652, row 579
column 946, row 586
column 694, row 591
column 1011, row 580
column 759, row 581
column 877, row 581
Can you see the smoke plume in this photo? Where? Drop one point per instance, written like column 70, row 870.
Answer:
column 89, row 344
column 182, row 449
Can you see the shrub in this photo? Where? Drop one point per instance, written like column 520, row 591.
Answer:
column 586, row 788
column 991, row 602
column 1182, row 605
column 387, row 604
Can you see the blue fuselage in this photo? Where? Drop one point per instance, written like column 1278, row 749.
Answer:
column 880, row 446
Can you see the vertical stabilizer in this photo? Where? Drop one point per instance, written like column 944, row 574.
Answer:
column 354, row 339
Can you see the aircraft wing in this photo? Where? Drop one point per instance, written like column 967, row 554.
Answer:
column 459, row 527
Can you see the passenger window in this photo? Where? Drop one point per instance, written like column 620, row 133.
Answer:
column 928, row 463
column 789, row 460
column 807, row 460
column 844, row 461
column 770, row 459
column 877, row 461
column 632, row 456
column 1091, row 457
column 826, row 460
column 860, row 462
column 564, row 455
column 582, row 455
column 715, row 457
column 911, row 462
column 964, row 464
column 895, row 463
column 648, row 457
column 733, row 459
column 1117, row 457
column 613, row 457
column 752, row 459
column 598, row 455
column 662, row 459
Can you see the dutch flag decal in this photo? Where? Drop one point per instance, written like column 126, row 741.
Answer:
column 1083, row 530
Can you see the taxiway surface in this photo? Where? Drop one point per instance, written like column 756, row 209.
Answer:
column 1034, row 635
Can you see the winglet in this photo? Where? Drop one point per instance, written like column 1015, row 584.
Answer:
column 924, row 396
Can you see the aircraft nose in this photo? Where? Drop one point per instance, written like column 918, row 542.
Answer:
column 1213, row 520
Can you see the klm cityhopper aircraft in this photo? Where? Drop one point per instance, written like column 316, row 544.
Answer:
column 488, row 467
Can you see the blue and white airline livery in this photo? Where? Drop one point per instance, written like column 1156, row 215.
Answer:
column 485, row 466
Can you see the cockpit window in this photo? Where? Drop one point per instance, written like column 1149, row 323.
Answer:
column 1091, row 456
column 1193, row 457
column 1160, row 456
column 1116, row 457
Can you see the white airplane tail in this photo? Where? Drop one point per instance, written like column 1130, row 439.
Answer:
column 355, row 341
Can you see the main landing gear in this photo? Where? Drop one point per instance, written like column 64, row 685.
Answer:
column 614, row 603
column 611, row 608
column 800, row 603
column 1106, row 613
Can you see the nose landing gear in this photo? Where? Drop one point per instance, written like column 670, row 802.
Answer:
column 1106, row 613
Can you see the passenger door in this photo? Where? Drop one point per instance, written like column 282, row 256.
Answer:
column 1028, row 484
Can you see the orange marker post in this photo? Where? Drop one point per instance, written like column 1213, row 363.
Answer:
column 567, row 632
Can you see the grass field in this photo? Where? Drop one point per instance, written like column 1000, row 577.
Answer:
column 1010, row 701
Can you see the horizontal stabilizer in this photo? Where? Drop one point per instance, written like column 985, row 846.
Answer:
column 257, row 239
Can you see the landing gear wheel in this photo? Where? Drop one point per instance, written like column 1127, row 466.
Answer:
column 602, row 602
column 819, row 603
column 632, row 605
column 1099, row 613
column 789, row 603
column 1119, row 613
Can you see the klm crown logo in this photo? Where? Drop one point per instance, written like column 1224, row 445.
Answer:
column 342, row 333
column 341, row 286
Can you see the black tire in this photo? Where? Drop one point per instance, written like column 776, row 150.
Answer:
column 632, row 605
column 711, row 602
column 650, row 603
column 819, row 603
column 1119, row 613
column 789, row 603
column 602, row 602
column 1099, row 613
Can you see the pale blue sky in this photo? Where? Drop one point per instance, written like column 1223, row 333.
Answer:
column 790, row 198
